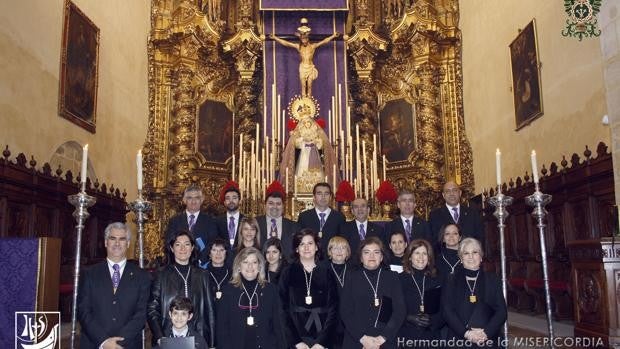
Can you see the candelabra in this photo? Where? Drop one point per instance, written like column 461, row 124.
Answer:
column 81, row 201
column 140, row 207
column 538, row 201
column 500, row 201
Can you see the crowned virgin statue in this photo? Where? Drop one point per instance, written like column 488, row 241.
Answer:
column 308, row 154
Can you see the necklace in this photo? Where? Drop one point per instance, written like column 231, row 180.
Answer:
column 308, row 284
column 185, row 278
column 451, row 266
column 420, row 292
column 250, row 318
column 340, row 279
column 472, row 296
column 375, row 288
column 218, row 293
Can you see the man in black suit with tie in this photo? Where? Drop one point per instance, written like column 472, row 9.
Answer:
column 413, row 227
column 322, row 219
column 358, row 229
column 228, row 224
column 467, row 218
column 273, row 224
column 112, row 297
column 200, row 224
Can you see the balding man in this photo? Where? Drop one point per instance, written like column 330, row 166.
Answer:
column 453, row 212
column 360, row 228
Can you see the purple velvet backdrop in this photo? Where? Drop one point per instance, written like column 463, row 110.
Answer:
column 304, row 4
column 19, row 259
column 284, row 24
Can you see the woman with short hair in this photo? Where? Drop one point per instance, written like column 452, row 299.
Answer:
column 217, row 268
column 372, row 305
column 473, row 304
column 309, row 296
column 181, row 277
column 248, row 314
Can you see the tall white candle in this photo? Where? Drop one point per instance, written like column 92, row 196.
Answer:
column 498, row 168
column 334, row 174
column 139, row 166
column 83, row 174
column 233, row 168
column 534, row 167
column 286, row 181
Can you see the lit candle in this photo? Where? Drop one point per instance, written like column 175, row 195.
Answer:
column 498, row 168
column 84, row 165
column 139, row 166
column 534, row 167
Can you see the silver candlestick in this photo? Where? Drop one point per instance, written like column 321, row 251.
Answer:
column 140, row 207
column 81, row 201
column 500, row 201
column 538, row 201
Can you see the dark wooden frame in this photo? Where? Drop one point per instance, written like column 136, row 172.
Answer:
column 526, row 82
column 79, row 67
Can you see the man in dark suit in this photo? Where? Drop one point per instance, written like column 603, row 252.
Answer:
column 228, row 224
column 358, row 229
column 322, row 219
column 112, row 297
column 273, row 224
column 453, row 212
column 200, row 224
column 413, row 227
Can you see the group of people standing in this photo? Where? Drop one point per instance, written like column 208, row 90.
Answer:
column 321, row 282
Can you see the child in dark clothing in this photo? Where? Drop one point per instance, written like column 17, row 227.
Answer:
column 181, row 311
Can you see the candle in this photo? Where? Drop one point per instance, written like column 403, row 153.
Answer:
column 331, row 126
column 84, row 165
column 498, row 168
column 286, row 181
column 364, row 172
column 334, row 174
column 233, row 168
column 139, row 166
column 384, row 167
column 534, row 167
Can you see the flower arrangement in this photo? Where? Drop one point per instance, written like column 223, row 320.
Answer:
column 386, row 193
column 345, row 192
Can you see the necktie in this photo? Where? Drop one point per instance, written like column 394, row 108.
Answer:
column 274, row 228
column 322, row 221
column 362, row 232
column 231, row 228
column 192, row 221
column 455, row 214
column 116, row 276
column 408, row 230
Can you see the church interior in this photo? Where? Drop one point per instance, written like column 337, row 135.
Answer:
column 501, row 97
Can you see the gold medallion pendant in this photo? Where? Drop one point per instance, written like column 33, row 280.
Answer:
column 472, row 298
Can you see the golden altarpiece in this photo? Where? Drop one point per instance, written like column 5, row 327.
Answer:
column 400, row 51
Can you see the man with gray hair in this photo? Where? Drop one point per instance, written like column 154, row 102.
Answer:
column 406, row 222
column 112, row 297
column 192, row 219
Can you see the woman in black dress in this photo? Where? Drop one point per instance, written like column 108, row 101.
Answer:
column 309, row 296
column 248, row 315
column 272, row 250
column 218, row 270
column 423, row 291
column 181, row 277
column 448, row 261
column 398, row 244
column 372, row 305
column 472, row 301
column 338, row 253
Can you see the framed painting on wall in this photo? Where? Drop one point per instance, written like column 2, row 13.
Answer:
column 215, row 131
column 526, row 85
column 79, row 68
column 397, row 120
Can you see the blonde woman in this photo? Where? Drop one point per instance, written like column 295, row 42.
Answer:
column 248, row 313
column 249, row 234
